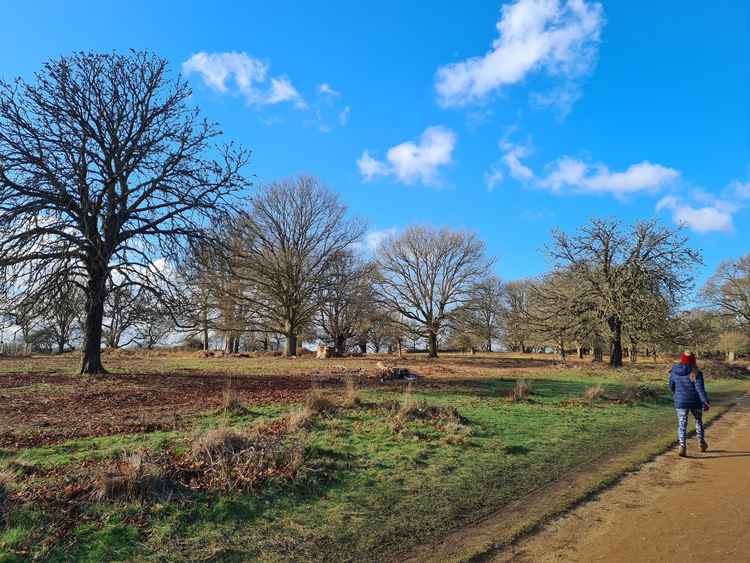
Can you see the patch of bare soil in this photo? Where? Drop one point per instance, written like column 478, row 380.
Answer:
column 38, row 409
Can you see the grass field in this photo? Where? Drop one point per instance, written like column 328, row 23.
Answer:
column 369, row 471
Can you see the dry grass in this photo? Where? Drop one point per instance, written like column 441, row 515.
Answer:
column 521, row 391
column 220, row 442
column 318, row 403
column 593, row 393
column 456, row 433
column 315, row 404
column 132, row 476
column 408, row 404
column 228, row 460
column 231, row 402
column 351, row 396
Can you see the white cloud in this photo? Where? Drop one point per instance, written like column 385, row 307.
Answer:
column 561, row 98
column 492, row 178
column 597, row 178
column 283, row 91
column 558, row 38
column 240, row 74
column 326, row 89
column 512, row 158
column 370, row 167
column 716, row 217
column 373, row 239
column 344, row 116
column 413, row 162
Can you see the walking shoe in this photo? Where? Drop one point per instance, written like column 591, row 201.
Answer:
column 704, row 445
column 682, row 452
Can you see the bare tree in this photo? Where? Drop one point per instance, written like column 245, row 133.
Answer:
column 517, row 331
column 615, row 268
column 346, row 300
column 426, row 273
column 287, row 245
column 728, row 291
column 103, row 167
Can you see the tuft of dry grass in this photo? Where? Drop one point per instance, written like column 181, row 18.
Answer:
column 317, row 403
column 132, row 476
column 220, row 442
column 521, row 391
column 229, row 460
column 231, row 402
column 351, row 396
column 456, row 433
column 408, row 404
column 593, row 393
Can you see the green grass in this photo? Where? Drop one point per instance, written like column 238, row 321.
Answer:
column 371, row 492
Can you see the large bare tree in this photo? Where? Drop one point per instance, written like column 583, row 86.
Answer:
column 104, row 166
column 287, row 245
column 616, row 268
column 426, row 273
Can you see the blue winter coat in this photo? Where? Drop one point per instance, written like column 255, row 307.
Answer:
column 686, row 394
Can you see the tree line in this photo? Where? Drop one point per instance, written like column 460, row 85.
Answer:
column 124, row 219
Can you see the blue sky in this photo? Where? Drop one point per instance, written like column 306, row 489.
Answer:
column 504, row 118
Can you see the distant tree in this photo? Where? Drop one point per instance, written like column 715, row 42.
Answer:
column 154, row 324
column 346, row 300
column 615, row 267
column 124, row 306
column 728, row 291
column 288, row 244
column 426, row 273
column 734, row 342
column 104, row 167
column 517, row 330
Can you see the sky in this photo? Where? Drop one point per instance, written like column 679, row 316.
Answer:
column 504, row 118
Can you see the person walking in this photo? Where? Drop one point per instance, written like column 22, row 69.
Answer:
column 690, row 397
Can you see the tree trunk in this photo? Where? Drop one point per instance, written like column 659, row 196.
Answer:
column 91, row 353
column 579, row 352
column 433, row 345
column 400, row 349
column 615, row 345
column 633, row 353
column 363, row 347
column 61, row 346
column 290, row 346
column 730, row 356
column 205, row 329
column 340, row 345
column 489, row 343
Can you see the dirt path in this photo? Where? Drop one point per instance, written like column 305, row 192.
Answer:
column 673, row 509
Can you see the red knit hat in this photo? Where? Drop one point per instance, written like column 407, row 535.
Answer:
column 687, row 358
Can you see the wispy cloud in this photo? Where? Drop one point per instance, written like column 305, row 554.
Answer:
column 344, row 116
column 326, row 90
column 559, row 39
column 411, row 162
column 240, row 74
